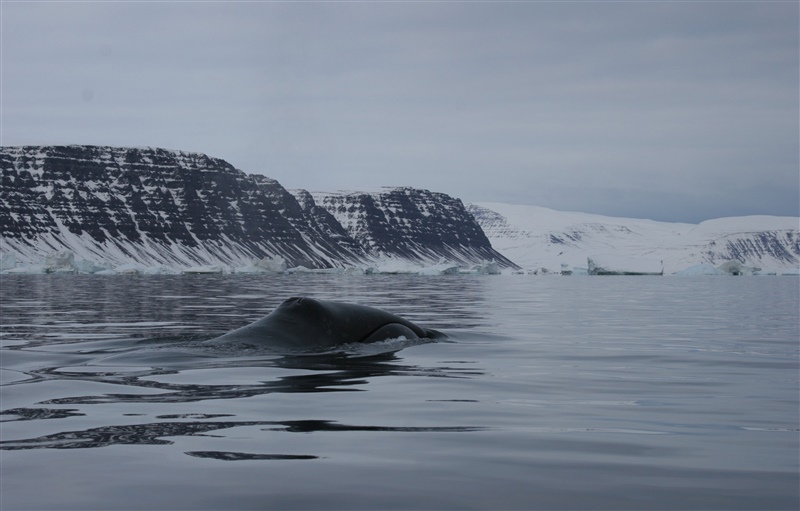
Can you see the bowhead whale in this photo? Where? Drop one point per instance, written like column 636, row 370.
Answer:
column 302, row 323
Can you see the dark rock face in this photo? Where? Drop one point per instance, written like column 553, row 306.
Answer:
column 157, row 206
column 414, row 224
column 319, row 221
column 154, row 198
column 779, row 245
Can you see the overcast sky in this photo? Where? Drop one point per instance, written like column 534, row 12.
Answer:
column 678, row 111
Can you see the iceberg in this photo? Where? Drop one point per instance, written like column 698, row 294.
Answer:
column 55, row 262
column 393, row 266
column 87, row 266
column 618, row 266
column 491, row 268
column 271, row 264
column 203, row 270
column 25, row 270
column 250, row 268
column 700, row 269
column 160, row 270
column 125, row 269
column 60, row 262
column 442, row 268
column 734, row 267
column 8, row 261
column 304, row 269
column 486, row 268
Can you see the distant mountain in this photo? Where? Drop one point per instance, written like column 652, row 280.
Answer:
column 536, row 238
column 417, row 225
column 153, row 206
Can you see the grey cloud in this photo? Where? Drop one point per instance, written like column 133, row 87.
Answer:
column 667, row 110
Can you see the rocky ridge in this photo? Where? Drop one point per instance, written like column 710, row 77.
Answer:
column 416, row 225
column 154, row 206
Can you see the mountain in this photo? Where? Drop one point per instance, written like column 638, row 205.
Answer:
column 536, row 238
column 152, row 206
column 155, row 207
column 417, row 225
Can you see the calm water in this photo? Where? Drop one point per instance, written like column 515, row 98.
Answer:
column 554, row 393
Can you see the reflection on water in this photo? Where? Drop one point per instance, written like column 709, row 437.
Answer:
column 238, row 456
column 336, row 372
column 153, row 433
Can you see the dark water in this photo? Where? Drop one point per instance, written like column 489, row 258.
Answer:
column 554, row 393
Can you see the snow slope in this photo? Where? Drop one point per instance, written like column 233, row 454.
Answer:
column 536, row 237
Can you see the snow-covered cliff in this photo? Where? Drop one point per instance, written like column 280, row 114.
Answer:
column 150, row 206
column 156, row 207
column 416, row 225
column 536, row 237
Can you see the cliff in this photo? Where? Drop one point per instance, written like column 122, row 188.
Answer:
column 159, row 207
column 414, row 224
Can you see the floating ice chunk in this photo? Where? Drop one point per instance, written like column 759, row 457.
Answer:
column 60, row 262
column 8, row 261
column 160, row 270
column 25, row 270
column 394, row 266
column 734, row 267
column 271, row 264
column 490, row 268
column 128, row 269
column 486, row 268
column 442, row 268
column 621, row 266
column 700, row 269
column 250, row 268
column 87, row 266
column 303, row 269
column 203, row 270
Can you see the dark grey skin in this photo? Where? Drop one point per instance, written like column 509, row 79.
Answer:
column 308, row 324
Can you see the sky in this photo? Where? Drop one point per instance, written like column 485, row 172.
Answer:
column 678, row 111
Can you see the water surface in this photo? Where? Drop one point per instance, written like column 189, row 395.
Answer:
column 553, row 393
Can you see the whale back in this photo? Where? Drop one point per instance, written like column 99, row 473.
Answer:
column 305, row 323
